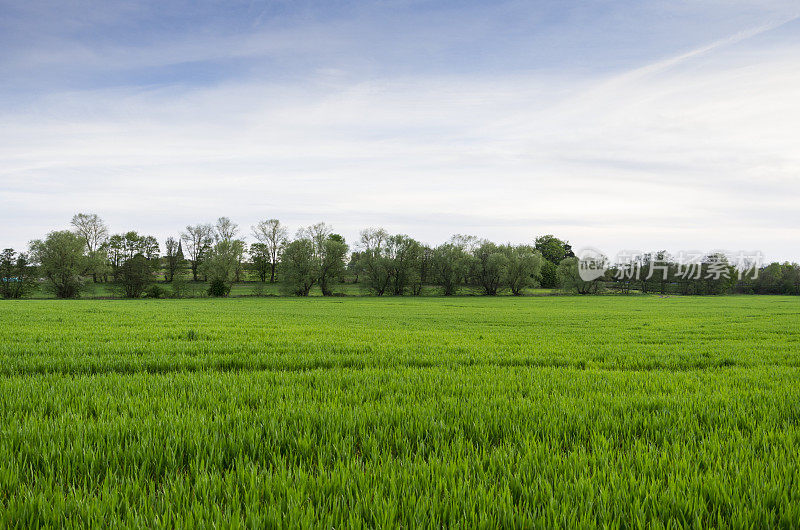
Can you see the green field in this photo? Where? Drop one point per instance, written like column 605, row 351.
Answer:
column 515, row 412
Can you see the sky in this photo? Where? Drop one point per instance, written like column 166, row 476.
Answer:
column 637, row 125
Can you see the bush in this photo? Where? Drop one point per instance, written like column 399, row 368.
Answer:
column 155, row 291
column 219, row 287
column 136, row 276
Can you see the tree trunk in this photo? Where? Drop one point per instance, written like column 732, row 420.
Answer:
column 323, row 285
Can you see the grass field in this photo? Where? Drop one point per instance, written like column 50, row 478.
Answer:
column 516, row 412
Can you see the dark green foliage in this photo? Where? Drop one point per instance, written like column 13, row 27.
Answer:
column 122, row 247
column 776, row 278
column 550, row 279
column 490, row 265
column 17, row 275
column 218, row 287
column 299, row 266
column 553, row 249
column 331, row 262
column 449, row 265
column 156, row 291
column 135, row 276
column 405, row 261
column 261, row 260
column 374, row 263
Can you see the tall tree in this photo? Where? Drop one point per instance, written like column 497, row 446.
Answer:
column 62, row 259
column 273, row 235
column 523, row 267
column 240, row 249
column 225, row 229
column 449, row 265
column 553, row 249
column 91, row 228
column 149, row 248
column 114, row 248
column 219, row 266
column 718, row 275
column 331, row 262
column 317, row 234
column 197, row 240
column 299, row 267
column 489, row 265
column 404, row 262
column 465, row 242
column 374, row 263
column 260, row 257
column 95, row 233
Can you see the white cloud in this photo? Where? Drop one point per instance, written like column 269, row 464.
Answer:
column 698, row 151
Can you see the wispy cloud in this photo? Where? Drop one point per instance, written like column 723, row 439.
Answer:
column 695, row 150
column 739, row 36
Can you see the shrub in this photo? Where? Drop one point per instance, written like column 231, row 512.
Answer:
column 155, row 291
column 219, row 287
column 135, row 276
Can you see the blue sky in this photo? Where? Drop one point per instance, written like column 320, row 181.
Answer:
column 621, row 125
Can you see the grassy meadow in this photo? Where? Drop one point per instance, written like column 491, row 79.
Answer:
column 385, row 412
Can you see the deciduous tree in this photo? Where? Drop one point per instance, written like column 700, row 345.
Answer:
column 571, row 281
column 225, row 229
column 523, row 267
column 490, row 264
column 62, row 259
column 135, row 276
column 273, row 235
column 91, row 228
column 449, row 264
column 299, row 267
column 197, row 241
column 220, row 265
column 95, row 233
column 331, row 263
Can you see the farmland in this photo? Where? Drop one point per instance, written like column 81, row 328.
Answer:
column 533, row 411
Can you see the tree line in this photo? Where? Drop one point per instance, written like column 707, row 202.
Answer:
column 380, row 263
